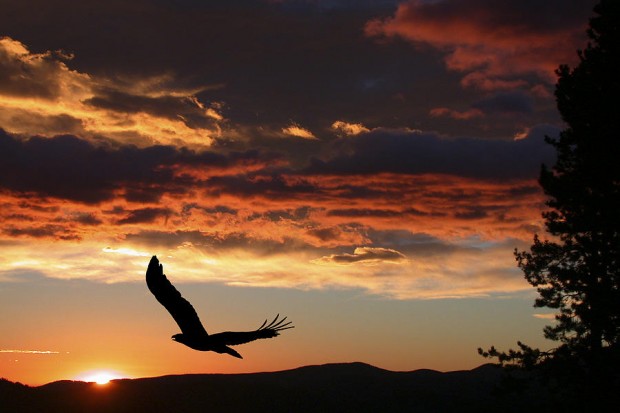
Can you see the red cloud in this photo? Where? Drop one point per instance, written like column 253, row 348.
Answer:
column 497, row 45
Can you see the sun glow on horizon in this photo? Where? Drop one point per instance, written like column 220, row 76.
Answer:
column 100, row 377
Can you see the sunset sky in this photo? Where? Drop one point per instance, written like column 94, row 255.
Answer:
column 366, row 168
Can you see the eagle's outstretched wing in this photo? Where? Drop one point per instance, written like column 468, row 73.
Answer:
column 233, row 338
column 180, row 309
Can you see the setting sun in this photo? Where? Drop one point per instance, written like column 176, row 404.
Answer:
column 100, row 377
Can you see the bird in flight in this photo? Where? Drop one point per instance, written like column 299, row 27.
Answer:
column 193, row 334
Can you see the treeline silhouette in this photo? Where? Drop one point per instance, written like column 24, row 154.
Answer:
column 575, row 267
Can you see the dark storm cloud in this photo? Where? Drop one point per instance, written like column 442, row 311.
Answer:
column 417, row 153
column 336, row 4
column 275, row 64
column 515, row 102
column 271, row 64
column 70, row 168
column 142, row 195
column 273, row 186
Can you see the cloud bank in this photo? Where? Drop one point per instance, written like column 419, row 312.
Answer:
column 386, row 146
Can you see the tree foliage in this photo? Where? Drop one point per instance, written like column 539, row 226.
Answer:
column 577, row 270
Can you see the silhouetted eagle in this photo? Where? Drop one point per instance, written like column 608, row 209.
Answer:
column 193, row 333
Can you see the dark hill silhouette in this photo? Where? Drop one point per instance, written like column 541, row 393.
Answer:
column 354, row 387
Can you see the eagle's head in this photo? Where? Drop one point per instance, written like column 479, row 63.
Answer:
column 197, row 343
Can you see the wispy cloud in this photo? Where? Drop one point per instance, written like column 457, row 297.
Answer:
column 30, row 351
column 299, row 132
column 126, row 251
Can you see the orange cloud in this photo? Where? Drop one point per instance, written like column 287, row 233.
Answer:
column 44, row 96
column 437, row 228
column 349, row 129
column 235, row 219
column 461, row 271
column 298, row 131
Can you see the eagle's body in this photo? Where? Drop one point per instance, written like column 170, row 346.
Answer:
column 193, row 334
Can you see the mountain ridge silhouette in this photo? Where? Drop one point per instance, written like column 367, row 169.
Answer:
column 343, row 387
